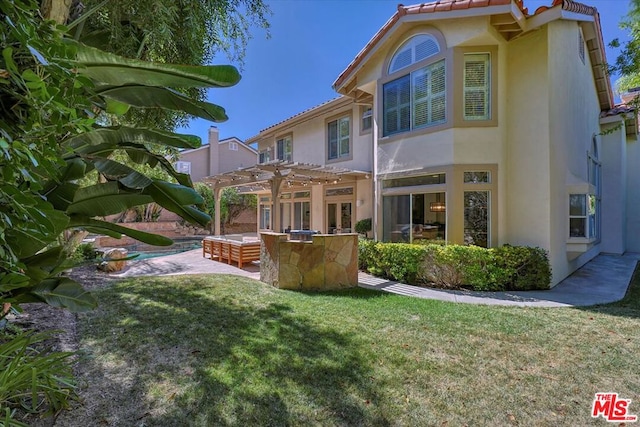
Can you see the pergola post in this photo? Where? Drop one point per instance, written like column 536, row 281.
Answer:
column 276, row 181
column 217, row 194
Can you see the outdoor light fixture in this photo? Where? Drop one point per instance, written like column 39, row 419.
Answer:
column 437, row 207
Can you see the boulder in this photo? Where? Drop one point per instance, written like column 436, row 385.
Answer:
column 116, row 263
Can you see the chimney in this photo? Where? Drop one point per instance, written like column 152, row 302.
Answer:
column 214, row 144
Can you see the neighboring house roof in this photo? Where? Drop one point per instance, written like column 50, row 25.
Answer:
column 618, row 109
column 223, row 141
column 302, row 116
column 448, row 8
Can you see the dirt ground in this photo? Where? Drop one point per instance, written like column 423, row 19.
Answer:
column 41, row 317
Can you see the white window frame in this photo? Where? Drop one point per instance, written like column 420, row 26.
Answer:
column 233, row 146
column 264, row 156
column 183, row 167
column 485, row 89
column 343, row 142
column 284, row 149
column 366, row 123
column 430, row 99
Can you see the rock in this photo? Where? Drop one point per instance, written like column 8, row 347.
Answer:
column 113, row 254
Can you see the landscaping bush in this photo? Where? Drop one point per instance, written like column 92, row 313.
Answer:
column 457, row 266
column 32, row 380
column 525, row 268
column 85, row 252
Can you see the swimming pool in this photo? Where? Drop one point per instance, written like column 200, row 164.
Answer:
column 145, row 251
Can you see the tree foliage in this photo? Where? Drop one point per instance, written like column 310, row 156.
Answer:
column 627, row 63
column 189, row 32
column 53, row 94
column 232, row 203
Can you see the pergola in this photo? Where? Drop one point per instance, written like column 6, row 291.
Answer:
column 272, row 175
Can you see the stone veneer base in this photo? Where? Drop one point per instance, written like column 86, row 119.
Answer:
column 328, row 261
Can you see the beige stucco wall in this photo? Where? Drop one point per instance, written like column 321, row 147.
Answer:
column 199, row 159
column 456, row 32
column 574, row 112
column 527, row 152
column 633, row 194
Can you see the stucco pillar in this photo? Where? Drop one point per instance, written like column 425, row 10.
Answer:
column 217, row 194
column 276, row 181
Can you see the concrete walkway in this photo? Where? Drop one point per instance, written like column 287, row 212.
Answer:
column 603, row 280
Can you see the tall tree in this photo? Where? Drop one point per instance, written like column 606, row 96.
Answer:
column 189, row 32
column 627, row 64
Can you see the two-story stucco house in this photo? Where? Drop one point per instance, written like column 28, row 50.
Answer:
column 216, row 157
column 480, row 122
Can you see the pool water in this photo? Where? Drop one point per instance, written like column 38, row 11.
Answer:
column 145, row 251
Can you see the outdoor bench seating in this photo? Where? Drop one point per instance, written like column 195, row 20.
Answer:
column 231, row 250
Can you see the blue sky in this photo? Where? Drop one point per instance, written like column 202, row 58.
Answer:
column 312, row 42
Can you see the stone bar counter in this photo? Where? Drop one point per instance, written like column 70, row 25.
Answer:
column 328, row 261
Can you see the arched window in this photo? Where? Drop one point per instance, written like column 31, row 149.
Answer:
column 416, row 49
column 416, row 98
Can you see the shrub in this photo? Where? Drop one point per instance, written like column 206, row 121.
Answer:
column 525, row 268
column 363, row 226
column 85, row 252
column 456, row 266
column 32, row 380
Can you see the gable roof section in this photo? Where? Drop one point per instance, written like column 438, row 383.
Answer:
column 437, row 6
column 448, row 8
column 303, row 116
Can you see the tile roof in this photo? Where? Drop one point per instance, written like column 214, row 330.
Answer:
column 448, row 6
column 618, row 109
column 302, row 113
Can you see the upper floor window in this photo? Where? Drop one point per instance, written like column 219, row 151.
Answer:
column 581, row 48
column 284, row 149
column 183, row 167
column 233, row 146
column 338, row 138
column 415, row 100
column 477, row 86
column 264, row 156
column 367, row 119
column 414, row 50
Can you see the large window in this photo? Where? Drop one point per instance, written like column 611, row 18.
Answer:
column 284, row 149
column 416, row 100
column 338, row 138
column 477, row 86
column 584, row 209
column 414, row 217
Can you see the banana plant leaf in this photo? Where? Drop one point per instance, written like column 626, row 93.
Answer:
column 127, row 176
column 44, row 227
column 122, row 134
column 46, row 264
column 105, row 199
column 64, row 292
column 178, row 199
column 115, row 230
column 61, row 195
column 141, row 155
column 112, row 69
column 160, row 97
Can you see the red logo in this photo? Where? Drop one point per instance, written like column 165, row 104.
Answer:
column 612, row 408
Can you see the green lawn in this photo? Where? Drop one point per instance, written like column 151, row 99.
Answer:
column 225, row 350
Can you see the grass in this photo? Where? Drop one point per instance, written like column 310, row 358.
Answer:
column 225, row 350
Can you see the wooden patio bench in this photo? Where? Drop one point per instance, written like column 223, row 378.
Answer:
column 231, row 250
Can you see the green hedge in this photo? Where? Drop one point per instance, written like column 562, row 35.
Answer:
column 456, row 266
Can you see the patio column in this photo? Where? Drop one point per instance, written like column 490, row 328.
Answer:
column 276, row 181
column 217, row 194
